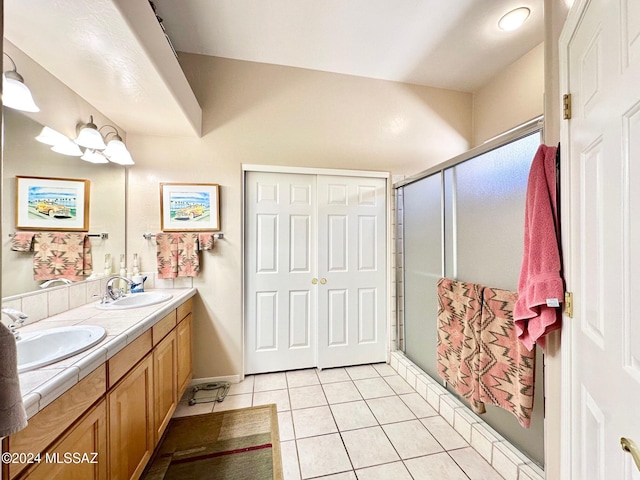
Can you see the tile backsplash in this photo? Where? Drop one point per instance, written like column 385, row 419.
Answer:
column 41, row 304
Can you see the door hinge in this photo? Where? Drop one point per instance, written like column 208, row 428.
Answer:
column 568, row 304
column 566, row 106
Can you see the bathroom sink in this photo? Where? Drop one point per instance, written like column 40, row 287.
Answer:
column 44, row 347
column 135, row 300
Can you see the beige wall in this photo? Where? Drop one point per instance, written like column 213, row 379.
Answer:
column 266, row 114
column 511, row 98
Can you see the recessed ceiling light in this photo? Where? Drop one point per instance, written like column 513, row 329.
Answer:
column 514, row 19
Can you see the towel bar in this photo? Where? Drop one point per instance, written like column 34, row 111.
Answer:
column 102, row 236
column 149, row 236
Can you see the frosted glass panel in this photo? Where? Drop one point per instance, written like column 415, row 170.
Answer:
column 489, row 195
column 423, row 268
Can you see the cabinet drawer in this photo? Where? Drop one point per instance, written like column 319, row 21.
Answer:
column 127, row 358
column 185, row 309
column 48, row 424
column 163, row 327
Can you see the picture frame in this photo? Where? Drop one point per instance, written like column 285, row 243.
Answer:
column 46, row 203
column 189, row 207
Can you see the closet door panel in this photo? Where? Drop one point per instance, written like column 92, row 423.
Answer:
column 352, row 271
column 280, row 299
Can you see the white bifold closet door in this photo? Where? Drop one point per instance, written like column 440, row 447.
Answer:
column 315, row 260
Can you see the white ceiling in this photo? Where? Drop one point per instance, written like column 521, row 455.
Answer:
column 453, row 44
column 113, row 53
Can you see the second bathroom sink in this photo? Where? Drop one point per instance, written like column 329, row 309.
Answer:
column 44, row 347
column 135, row 300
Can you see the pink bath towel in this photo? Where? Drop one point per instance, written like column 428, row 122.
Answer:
column 459, row 310
column 61, row 255
column 506, row 368
column 540, row 286
column 177, row 254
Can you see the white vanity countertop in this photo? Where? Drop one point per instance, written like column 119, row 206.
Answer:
column 42, row 386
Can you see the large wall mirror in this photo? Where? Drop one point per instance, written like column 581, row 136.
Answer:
column 25, row 156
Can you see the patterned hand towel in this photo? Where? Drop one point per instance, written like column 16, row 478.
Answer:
column 12, row 414
column 506, row 368
column 459, row 310
column 22, row 242
column 206, row 241
column 61, row 255
column 177, row 255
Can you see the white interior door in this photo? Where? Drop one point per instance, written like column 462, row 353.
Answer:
column 280, row 262
column 601, row 46
column 315, row 271
column 352, row 268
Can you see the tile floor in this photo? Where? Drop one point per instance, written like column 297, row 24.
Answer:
column 364, row 423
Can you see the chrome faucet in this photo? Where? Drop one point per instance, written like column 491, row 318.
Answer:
column 116, row 293
column 17, row 320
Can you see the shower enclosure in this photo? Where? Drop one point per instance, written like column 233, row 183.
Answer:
column 465, row 220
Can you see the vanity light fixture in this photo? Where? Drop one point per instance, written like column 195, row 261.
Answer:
column 67, row 147
column 514, row 19
column 89, row 136
column 116, row 150
column 15, row 93
column 52, row 137
column 94, row 156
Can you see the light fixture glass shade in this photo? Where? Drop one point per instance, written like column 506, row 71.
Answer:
column 90, row 137
column 15, row 94
column 122, row 158
column 514, row 19
column 52, row 137
column 115, row 147
column 67, row 147
column 94, row 157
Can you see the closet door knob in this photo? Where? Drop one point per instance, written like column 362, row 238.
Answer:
column 314, row 281
column 323, row 281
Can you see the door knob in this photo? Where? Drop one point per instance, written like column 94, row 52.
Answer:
column 314, row 281
column 323, row 281
column 632, row 448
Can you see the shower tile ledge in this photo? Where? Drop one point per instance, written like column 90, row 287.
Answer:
column 494, row 448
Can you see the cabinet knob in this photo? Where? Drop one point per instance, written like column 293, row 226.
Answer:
column 314, row 281
column 323, row 281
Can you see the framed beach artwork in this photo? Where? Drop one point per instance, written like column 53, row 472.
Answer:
column 189, row 207
column 60, row 204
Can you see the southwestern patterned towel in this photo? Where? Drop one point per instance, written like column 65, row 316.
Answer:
column 177, row 254
column 506, row 367
column 459, row 310
column 61, row 255
column 22, row 241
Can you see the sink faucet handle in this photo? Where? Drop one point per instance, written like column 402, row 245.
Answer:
column 17, row 317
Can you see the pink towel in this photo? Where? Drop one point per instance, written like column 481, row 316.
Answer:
column 61, row 255
column 459, row 310
column 22, row 242
column 206, row 241
column 177, row 254
column 540, row 286
column 506, row 369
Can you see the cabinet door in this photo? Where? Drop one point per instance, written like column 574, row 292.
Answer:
column 79, row 455
column 131, row 429
column 183, row 332
column 164, row 382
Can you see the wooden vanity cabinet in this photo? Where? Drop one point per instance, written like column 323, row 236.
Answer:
column 185, row 362
column 165, row 382
column 80, row 454
column 119, row 411
column 131, row 426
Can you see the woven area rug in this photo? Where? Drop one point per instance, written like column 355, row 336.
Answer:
column 236, row 444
